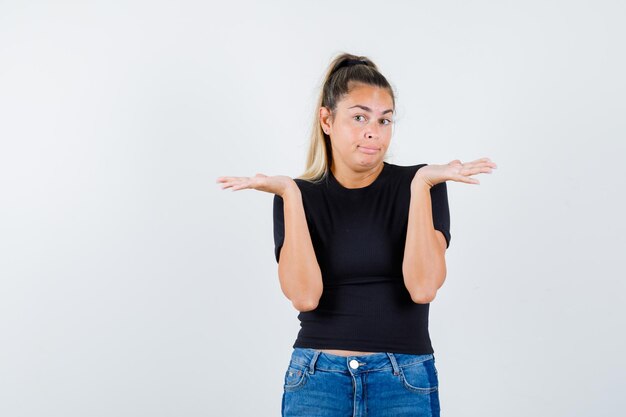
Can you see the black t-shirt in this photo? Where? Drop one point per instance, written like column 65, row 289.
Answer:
column 359, row 236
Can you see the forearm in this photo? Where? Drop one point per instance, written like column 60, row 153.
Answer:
column 299, row 273
column 424, row 266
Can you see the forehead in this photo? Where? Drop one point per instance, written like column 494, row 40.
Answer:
column 376, row 98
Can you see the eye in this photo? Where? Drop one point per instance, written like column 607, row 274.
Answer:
column 359, row 115
column 388, row 121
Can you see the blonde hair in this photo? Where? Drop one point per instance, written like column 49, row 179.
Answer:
column 337, row 82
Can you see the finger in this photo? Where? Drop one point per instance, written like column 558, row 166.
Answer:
column 488, row 162
column 486, row 170
column 238, row 186
column 242, row 185
column 228, row 178
column 231, row 185
column 479, row 166
column 470, row 169
column 225, row 186
column 477, row 169
column 231, row 182
column 479, row 163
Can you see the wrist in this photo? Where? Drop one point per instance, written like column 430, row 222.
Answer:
column 419, row 184
column 291, row 190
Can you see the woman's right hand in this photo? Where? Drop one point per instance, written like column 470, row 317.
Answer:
column 277, row 184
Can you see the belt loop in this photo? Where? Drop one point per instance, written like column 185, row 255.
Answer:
column 394, row 364
column 316, row 354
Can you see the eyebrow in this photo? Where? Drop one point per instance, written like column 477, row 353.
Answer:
column 368, row 109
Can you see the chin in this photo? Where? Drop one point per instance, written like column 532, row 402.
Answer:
column 370, row 162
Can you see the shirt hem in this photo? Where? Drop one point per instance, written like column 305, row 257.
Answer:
column 423, row 350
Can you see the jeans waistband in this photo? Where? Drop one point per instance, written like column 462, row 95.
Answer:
column 316, row 359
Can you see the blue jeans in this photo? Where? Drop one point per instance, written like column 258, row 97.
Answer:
column 319, row 384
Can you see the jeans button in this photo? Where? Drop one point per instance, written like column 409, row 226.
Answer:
column 354, row 364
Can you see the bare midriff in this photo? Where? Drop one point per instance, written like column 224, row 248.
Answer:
column 345, row 352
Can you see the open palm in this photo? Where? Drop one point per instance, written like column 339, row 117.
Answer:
column 277, row 184
column 453, row 171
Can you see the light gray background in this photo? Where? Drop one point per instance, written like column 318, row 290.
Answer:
column 132, row 285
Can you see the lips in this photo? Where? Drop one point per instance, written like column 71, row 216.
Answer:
column 368, row 150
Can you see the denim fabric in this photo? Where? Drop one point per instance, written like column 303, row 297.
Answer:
column 383, row 384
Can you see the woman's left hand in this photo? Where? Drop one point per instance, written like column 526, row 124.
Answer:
column 430, row 175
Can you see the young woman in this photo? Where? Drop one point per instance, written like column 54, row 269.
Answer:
column 360, row 245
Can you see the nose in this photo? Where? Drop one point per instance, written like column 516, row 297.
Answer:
column 372, row 131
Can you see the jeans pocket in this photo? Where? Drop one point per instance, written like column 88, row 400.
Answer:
column 295, row 377
column 420, row 377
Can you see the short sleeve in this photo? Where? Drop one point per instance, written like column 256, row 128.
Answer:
column 279, row 225
column 441, row 211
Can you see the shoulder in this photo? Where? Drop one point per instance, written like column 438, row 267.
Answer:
column 306, row 185
column 309, row 186
column 404, row 171
column 311, row 191
column 302, row 183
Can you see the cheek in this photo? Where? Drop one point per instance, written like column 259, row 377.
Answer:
column 348, row 137
column 353, row 135
column 349, row 132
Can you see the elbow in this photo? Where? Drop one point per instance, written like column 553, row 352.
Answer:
column 305, row 305
column 421, row 294
column 302, row 299
column 421, row 290
column 308, row 302
column 423, row 297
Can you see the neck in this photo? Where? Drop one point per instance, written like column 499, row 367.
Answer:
column 350, row 178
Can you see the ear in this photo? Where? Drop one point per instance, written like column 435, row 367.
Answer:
column 325, row 119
